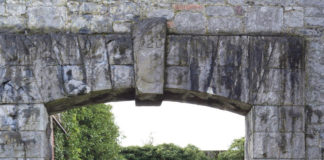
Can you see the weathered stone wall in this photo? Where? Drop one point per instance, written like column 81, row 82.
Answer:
column 279, row 127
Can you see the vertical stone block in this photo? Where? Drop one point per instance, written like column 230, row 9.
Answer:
column 149, row 48
column 178, row 50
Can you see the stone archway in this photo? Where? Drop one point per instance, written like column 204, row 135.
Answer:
column 261, row 77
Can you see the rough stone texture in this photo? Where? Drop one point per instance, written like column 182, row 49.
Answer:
column 276, row 132
column 251, row 69
column 23, row 131
column 225, row 24
column 149, row 48
column 189, row 22
column 303, row 18
column 266, row 19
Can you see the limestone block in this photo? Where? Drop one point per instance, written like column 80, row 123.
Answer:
column 79, row 23
column 18, row 85
column 24, row 117
column 74, row 80
column 213, row 1
column 265, row 119
column 314, row 21
column 294, row 17
column 278, row 86
column 264, row 19
column 2, row 9
column 40, row 51
column 236, row 2
column 124, row 11
column 228, row 82
column 66, row 48
column 313, row 3
column 265, row 145
column 16, row 9
column 93, row 49
column 92, row 8
column 12, row 51
column 16, row 1
column 47, row 18
column 314, row 67
column 13, row 23
column 292, row 119
column 120, row 51
column 280, row 2
column 292, row 145
column 149, row 48
column 232, row 51
column 225, row 24
column 37, row 3
column 157, row 12
column 293, row 87
column 17, row 142
column 200, row 63
column 98, row 76
column 49, row 80
column 122, row 27
column 190, row 22
column 177, row 77
column 316, row 114
column 73, row 6
column 309, row 32
column 276, row 52
column 314, row 12
column 312, row 135
column 101, row 24
column 314, row 153
column 219, row 11
column 122, row 76
column 178, row 50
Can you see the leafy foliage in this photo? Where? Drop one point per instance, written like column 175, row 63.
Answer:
column 235, row 152
column 92, row 134
column 163, row 152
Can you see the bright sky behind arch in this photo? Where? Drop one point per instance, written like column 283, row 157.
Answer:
column 179, row 123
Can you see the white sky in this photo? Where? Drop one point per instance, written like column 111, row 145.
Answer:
column 178, row 123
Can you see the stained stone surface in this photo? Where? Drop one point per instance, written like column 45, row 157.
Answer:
column 23, row 131
column 149, row 48
column 270, row 55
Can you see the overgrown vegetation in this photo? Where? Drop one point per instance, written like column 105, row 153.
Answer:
column 92, row 134
column 235, row 152
column 163, row 152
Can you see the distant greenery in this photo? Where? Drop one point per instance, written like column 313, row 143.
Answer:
column 163, row 152
column 235, row 152
column 92, row 134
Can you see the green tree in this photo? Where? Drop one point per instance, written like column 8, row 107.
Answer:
column 235, row 152
column 92, row 134
column 163, row 152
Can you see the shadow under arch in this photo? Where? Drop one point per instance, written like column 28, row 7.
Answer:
column 126, row 94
